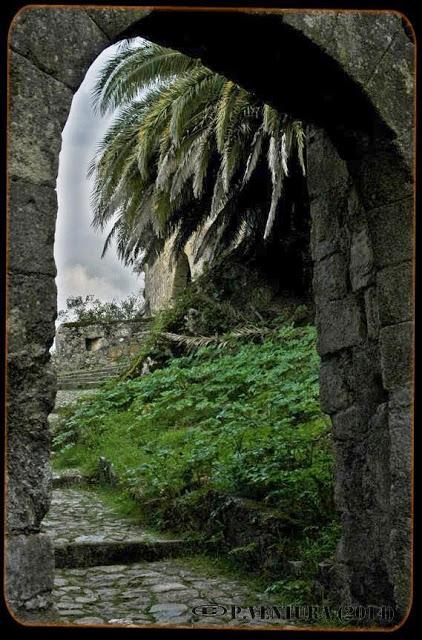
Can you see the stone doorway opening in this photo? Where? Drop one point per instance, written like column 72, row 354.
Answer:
column 182, row 275
column 361, row 190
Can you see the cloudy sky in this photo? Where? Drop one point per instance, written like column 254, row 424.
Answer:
column 80, row 269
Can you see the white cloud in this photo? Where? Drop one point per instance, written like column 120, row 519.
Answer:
column 77, row 281
column 80, row 269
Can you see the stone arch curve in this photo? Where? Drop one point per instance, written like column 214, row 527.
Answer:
column 360, row 177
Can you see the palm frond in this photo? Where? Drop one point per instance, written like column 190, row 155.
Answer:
column 183, row 145
column 254, row 155
column 193, row 343
column 300, row 143
column 133, row 70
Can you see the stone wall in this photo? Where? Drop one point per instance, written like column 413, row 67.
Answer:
column 350, row 75
column 90, row 346
column 363, row 297
column 50, row 52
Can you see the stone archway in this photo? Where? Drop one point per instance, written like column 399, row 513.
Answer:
column 182, row 275
column 360, row 182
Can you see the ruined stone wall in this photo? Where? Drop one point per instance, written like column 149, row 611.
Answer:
column 161, row 277
column 90, row 346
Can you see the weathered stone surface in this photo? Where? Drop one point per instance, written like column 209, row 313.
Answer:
column 336, row 382
column 361, row 259
column 369, row 392
column 391, row 87
column 31, row 386
column 396, row 354
column 29, row 562
column 89, row 620
column 32, row 207
column 33, row 391
column 296, row 568
column 375, row 475
column 329, row 281
column 62, row 42
column 340, row 325
column 114, row 21
column 400, row 562
column 31, row 314
column 167, row 586
column 395, row 299
column 39, row 109
column 65, row 397
column 327, row 172
column 401, row 565
column 77, row 512
column 345, row 35
column 349, row 424
column 400, row 425
column 392, row 232
column 371, row 312
column 165, row 277
column 163, row 612
column 365, row 484
column 29, row 480
column 382, row 178
column 386, row 75
column 327, row 237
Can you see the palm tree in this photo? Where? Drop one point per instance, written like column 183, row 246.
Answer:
column 183, row 148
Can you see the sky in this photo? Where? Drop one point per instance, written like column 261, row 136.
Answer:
column 80, row 269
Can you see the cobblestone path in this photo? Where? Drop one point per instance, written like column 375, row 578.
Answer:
column 164, row 591
column 79, row 515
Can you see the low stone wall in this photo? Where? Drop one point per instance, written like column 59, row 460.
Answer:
column 245, row 529
column 90, row 346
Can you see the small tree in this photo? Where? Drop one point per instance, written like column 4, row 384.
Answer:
column 90, row 309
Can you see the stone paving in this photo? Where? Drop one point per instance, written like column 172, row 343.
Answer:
column 170, row 591
column 79, row 515
column 164, row 592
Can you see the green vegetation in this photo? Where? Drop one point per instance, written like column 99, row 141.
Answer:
column 187, row 146
column 218, row 307
column 237, row 418
column 87, row 310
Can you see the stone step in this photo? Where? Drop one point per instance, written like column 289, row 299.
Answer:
column 88, row 376
column 103, row 369
column 78, row 381
column 63, row 383
column 70, row 386
column 93, row 552
column 69, row 478
column 78, row 374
